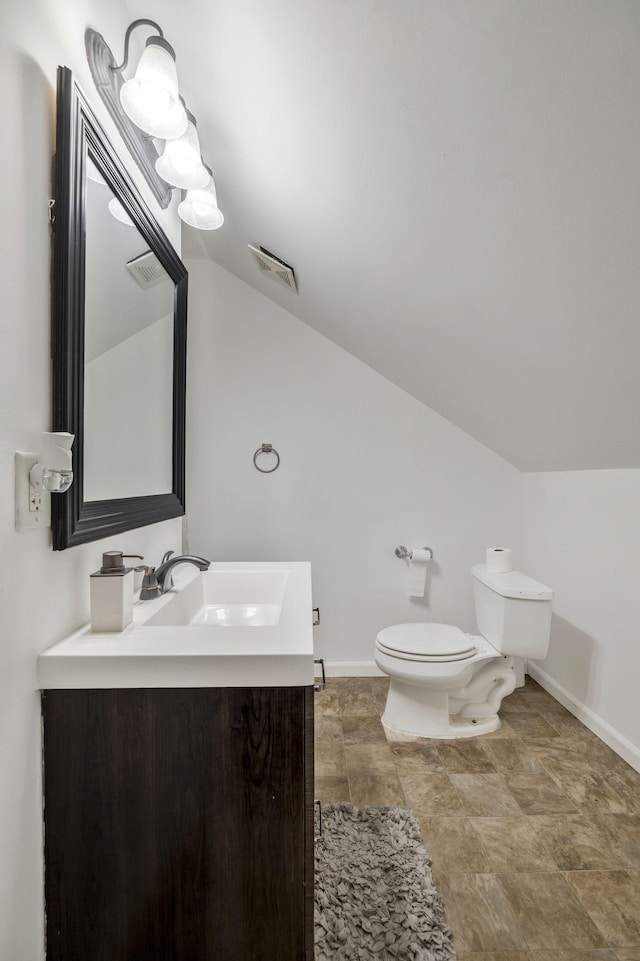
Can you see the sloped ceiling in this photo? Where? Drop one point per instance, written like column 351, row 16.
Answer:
column 457, row 184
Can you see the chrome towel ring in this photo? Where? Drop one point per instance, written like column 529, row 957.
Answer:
column 266, row 449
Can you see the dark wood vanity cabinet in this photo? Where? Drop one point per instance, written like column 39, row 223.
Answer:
column 179, row 824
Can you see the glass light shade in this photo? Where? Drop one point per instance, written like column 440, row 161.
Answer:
column 200, row 208
column 117, row 210
column 181, row 164
column 151, row 98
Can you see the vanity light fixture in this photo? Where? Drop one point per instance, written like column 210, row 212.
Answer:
column 181, row 162
column 148, row 106
column 150, row 98
column 200, row 207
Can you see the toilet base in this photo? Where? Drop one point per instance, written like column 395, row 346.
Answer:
column 458, row 727
column 418, row 711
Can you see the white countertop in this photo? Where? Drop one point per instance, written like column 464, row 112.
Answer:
column 196, row 655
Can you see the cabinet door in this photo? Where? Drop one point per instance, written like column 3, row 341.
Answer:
column 175, row 824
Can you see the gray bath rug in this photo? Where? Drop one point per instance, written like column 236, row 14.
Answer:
column 375, row 899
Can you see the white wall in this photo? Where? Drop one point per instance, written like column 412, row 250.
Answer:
column 582, row 537
column 365, row 467
column 129, row 430
column 43, row 595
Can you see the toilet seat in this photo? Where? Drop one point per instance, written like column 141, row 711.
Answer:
column 434, row 643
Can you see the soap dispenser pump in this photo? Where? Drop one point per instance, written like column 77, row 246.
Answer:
column 111, row 591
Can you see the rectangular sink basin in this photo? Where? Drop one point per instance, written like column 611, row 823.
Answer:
column 239, row 624
column 246, row 598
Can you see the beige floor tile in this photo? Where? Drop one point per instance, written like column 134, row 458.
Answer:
column 593, row 793
column 479, row 914
column 370, row 757
column 357, row 729
column 465, row 757
column 561, row 755
column 506, row 900
column 485, row 795
column 543, row 702
column 329, row 760
column 332, row 790
column 328, row 727
column 326, row 702
column 531, row 725
column 599, row 954
column 495, row 956
column 453, row 845
column 380, row 701
column 612, row 901
column 353, row 684
column 431, row 794
column 601, row 755
column 622, row 832
column 511, row 754
column 537, row 793
column 549, row 912
column 504, row 731
column 355, row 702
column 573, row 843
column 416, row 758
column 567, row 725
column 518, row 703
column 627, row 784
column 512, row 846
column 375, row 791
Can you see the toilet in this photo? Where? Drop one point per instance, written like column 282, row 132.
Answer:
column 448, row 684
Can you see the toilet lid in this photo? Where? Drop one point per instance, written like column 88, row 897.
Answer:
column 427, row 642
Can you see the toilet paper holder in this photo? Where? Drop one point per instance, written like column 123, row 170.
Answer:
column 405, row 554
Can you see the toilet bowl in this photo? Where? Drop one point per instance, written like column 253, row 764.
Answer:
column 448, row 684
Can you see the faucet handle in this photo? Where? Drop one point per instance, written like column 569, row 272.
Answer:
column 166, row 556
column 150, row 587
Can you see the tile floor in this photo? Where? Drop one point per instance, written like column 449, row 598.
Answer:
column 533, row 831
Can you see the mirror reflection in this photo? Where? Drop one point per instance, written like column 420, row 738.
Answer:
column 128, row 363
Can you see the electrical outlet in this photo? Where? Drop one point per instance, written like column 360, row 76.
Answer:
column 33, row 508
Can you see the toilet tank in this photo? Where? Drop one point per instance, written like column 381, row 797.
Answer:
column 513, row 612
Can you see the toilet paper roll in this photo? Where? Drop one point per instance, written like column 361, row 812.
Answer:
column 499, row 560
column 418, row 572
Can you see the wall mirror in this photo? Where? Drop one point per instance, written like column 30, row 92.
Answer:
column 119, row 339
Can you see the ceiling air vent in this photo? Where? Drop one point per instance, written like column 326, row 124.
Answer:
column 271, row 266
column 146, row 269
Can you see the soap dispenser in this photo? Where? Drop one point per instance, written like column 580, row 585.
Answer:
column 111, row 590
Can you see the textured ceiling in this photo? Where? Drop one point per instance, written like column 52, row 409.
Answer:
column 456, row 183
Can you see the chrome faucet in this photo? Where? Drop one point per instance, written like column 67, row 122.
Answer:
column 159, row 581
column 169, row 561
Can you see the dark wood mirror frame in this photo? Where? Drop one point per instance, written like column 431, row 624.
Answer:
column 74, row 520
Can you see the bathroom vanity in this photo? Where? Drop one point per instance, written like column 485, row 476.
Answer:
column 178, row 776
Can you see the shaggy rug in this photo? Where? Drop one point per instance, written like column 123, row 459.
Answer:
column 375, row 899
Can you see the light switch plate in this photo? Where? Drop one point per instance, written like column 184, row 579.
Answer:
column 33, row 510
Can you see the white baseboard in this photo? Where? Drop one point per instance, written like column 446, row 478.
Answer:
column 350, row 669
column 628, row 751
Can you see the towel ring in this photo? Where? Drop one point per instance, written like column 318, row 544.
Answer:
column 266, row 449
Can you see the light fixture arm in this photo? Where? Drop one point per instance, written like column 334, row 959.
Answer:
column 132, row 26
